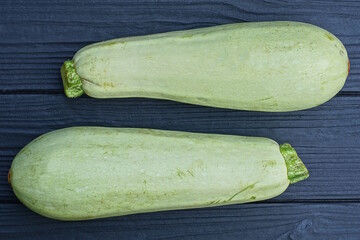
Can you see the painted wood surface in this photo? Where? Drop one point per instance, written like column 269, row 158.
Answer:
column 37, row 36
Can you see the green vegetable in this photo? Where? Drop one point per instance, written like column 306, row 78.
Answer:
column 264, row 66
column 93, row 172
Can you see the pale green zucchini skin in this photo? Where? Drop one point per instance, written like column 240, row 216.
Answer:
column 263, row 66
column 84, row 173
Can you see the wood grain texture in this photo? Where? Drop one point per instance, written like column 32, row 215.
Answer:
column 326, row 137
column 38, row 36
column 248, row 221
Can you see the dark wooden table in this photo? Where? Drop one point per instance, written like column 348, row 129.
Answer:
column 37, row 36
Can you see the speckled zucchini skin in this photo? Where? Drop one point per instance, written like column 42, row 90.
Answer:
column 263, row 66
column 84, row 173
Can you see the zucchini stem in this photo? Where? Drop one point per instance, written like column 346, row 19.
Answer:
column 71, row 80
column 296, row 169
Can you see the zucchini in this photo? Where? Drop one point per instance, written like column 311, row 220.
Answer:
column 263, row 66
column 84, row 173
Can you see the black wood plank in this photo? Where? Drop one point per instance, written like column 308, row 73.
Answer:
column 327, row 138
column 247, row 221
column 37, row 36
